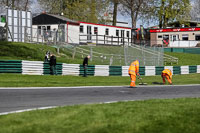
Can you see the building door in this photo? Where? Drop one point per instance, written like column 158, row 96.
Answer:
column 89, row 34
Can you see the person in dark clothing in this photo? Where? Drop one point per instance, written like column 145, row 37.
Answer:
column 85, row 65
column 46, row 58
column 52, row 64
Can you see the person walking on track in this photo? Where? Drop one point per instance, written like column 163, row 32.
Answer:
column 166, row 73
column 133, row 71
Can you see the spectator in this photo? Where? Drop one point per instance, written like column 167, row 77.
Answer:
column 52, row 64
column 85, row 65
column 47, row 55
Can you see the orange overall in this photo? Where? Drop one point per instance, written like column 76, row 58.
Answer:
column 167, row 74
column 132, row 71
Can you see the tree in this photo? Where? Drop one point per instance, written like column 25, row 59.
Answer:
column 17, row 4
column 80, row 10
column 115, row 3
column 172, row 10
column 195, row 11
column 134, row 8
column 102, row 11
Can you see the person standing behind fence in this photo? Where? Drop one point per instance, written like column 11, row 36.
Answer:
column 46, row 58
column 85, row 65
column 133, row 71
column 52, row 64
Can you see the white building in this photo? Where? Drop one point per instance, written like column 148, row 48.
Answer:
column 48, row 27
column 104, row 34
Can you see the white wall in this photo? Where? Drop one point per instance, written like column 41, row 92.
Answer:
column 183, row 43
column 73, row 34
column 101, row 31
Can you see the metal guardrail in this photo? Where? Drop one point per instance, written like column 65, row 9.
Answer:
column 11, row 66
column 42, row 68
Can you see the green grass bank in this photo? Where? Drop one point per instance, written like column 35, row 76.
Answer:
column 18, row 80
column 36, row 52
column 149, row 116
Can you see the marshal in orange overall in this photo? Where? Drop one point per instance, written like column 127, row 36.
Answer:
column 133, row 71
column 167, row 74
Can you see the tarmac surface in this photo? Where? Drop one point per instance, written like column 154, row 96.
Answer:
column 30, row 98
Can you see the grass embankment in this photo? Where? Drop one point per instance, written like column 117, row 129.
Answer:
column 149, row 116
column 36, row 52
column 33, row 52
column 18, row 80
column 186, row 58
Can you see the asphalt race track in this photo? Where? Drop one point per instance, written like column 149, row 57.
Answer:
column 13, row 99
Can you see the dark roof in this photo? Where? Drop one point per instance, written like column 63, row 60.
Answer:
column 45, row 18
column 186, row 23
column 177, row 24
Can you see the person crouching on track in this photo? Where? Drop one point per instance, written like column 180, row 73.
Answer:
column 166, row 73
column 133, row 71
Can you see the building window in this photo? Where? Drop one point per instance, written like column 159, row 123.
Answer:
column 127, row 34
column 107, row 31
column 117, row 32
column 165, row 37
column 39, row 30
column 185, row 37
column 95, row 30
column 197, row 37
column 81, row 29
column 160, row 36
column 49, row 30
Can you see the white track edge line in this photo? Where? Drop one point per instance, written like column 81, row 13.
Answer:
column 74, row 87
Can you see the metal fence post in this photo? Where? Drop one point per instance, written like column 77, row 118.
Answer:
column 90, row 53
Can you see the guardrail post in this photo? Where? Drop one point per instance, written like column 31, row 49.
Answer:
column 74, row 52
column 118, row 40
column 96, row 38
column 104, row 39
column 90, row 53
column 111, row 40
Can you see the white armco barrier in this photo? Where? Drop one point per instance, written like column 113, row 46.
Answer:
column 150, row 70
column 170, row 68
column 32, row 67
column 71, row 69
column 198, row 68
column 125, row 70
column 184, row 69
column 183, row 43
column 101, row 70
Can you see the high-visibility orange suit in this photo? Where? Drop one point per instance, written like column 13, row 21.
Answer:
column 133, row 71
column 167, row 74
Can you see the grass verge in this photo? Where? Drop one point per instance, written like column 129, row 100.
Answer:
column 18, row 80
column 185, row 58
column 149, row 116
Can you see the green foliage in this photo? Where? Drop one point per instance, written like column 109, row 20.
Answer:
column 172, row 10
column 79, row 10
column 148, row 116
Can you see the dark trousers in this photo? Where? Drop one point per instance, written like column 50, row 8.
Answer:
column 53, row 70
column 85, row 71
